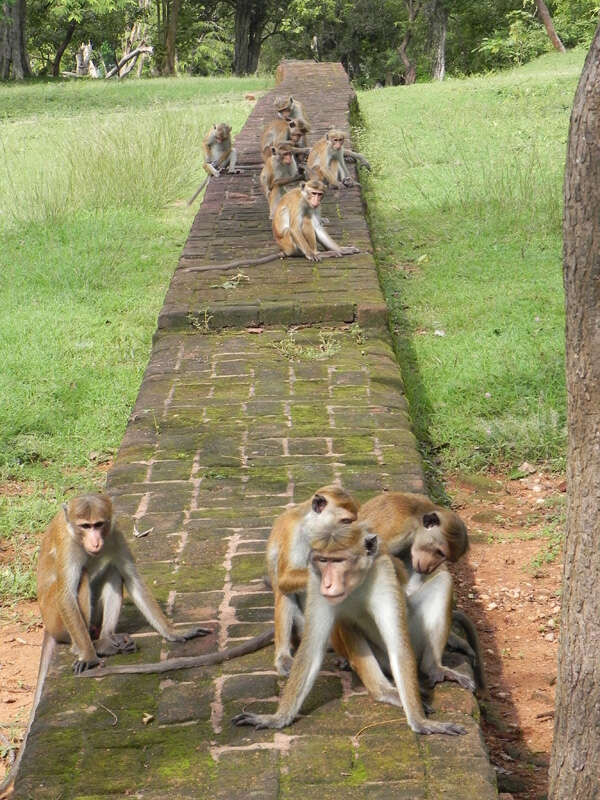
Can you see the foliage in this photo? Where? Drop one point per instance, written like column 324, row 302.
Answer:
column 465, row 208
column 523, row 41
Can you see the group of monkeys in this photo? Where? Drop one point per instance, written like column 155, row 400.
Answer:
column 297, row 224
column 369, row 580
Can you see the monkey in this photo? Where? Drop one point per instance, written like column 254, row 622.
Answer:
column 218, row 151
column 352, row 580
column 424, row 536
column 287, row 560
column 288, row 108
column 297, row 226
column 84, row 562
column 282, row 130
column 279, row 171
column 326, row 160
column 412, row 521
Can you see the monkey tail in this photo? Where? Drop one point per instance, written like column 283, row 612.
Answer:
column 186, row 662
column 473, row 640
column 253, row 262
column 48, row 647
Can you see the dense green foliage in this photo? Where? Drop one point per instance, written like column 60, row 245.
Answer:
column 465, row 206
column 376, row 40
column 91, row 227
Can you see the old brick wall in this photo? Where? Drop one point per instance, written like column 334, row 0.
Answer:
column 236, row 417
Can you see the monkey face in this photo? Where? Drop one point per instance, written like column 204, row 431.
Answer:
column 430, row 547
column 343, row 571
column 286, row 158
column 92, row 533
column 314, row 197
column 337, row 142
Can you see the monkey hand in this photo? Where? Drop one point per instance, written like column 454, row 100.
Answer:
column 348, row 251
column 115, row 643
column 234, row 171
column 348, row 182
column 81, row 666
column 427, row 726
column 188, row 633
column 260, row 721
column 313, row 256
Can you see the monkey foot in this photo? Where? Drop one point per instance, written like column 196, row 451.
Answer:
column 116, row 643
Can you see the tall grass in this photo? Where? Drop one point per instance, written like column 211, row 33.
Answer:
column 465, row 206
column 93, row 177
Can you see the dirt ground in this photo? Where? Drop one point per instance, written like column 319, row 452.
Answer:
column 505, row 583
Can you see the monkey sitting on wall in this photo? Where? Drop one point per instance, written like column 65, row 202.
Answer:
column 84, row 562
column 280, row 170
column 353, row 582
column 289, row 108
column 297, row 226
column 287, row 560
column 218, row 151
column 326, row 160
column 425, row 536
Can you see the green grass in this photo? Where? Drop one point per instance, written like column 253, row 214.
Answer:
column 465, row 207
column 92, row 179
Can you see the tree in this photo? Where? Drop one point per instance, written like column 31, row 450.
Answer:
column 438, row 29
column 410, row 71
column 576, row 748
column 549, row 25
column 14, row 62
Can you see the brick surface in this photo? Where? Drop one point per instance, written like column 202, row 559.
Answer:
column 229, row 427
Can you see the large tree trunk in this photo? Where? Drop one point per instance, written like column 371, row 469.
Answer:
column 14, row 61
column 250, row 18
column 574, row 773
column 438, row 22
column 549, row 25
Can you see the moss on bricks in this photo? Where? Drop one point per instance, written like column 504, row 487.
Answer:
column 246, row 568
column 324, row 759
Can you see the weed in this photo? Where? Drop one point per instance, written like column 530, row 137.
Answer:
column 327, row 347
column 200, row 323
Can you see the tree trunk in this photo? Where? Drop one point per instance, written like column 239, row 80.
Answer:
column 170, row 44
column 438, row 22
column 60, row 52
column 14, row 61
column 410, row 71
column 250, row 18
column 574, row 770
column 549, row 25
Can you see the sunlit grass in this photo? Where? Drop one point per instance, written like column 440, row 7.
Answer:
column 465, row 206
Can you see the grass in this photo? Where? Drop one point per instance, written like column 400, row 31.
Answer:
column 465, row 207
column 92, row 179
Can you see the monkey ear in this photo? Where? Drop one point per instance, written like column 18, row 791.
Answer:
column 371, row 542
column 318, row 503
column 66, row 511
column 273, row 150
column 431, row 520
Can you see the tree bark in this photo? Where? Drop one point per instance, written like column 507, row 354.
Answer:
column 549, row 25
column 574, row 770
column 14, row 61
column 438, row 22
column 410, row 71
column 250, row 18
column 60, row 52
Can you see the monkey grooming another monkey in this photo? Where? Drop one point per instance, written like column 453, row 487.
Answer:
column 326, row 160
column 425, row 535
column 84, row 562
column 297, row 226
column 352, row 580
column 288, row 108
column 287, row 560
column 282, row 130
